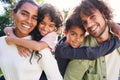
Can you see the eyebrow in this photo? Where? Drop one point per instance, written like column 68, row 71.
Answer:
column 72, row 31
column 25, row 11
column 28, row 12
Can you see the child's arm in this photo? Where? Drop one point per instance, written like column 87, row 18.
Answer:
column 116, row 29
column 31, row 44
column 9, row 31
column 65, row 51
column 47, row 41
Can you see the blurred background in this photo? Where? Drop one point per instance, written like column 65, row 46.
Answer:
column 64, row 5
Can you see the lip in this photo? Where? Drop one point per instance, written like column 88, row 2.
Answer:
column 75, row 44
column 43, row 32
column 94, row 28
column 26, row 26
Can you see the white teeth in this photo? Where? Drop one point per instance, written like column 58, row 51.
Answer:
column 94, row 28
column 26, row 26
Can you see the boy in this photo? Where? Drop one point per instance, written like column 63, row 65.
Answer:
column 68, row 47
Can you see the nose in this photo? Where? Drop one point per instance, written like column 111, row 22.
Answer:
column 46, row 28
column 78, row 39
column 29, row 19
column 89, row 23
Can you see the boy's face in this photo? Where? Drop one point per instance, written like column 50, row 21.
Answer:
column 75, row 36
column 46, row 26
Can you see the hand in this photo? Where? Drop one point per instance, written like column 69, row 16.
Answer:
column 24, row 52
column 9, row 40
column 9, row 31
column 116, row 30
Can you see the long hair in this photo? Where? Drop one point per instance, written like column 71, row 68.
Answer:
column 56, row 17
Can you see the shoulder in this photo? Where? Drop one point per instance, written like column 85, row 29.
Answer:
column 2, row 38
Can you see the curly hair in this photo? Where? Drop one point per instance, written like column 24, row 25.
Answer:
column 88, row 6
column 56, row 17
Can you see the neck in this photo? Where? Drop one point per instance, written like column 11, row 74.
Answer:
column 18, row 33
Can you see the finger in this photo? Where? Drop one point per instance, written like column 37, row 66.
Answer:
column 20, row 53
column 8, row 34
column 26, row 53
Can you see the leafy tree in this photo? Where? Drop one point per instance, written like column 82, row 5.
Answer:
column 5, row 20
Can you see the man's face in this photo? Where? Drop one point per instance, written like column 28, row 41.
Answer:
column 94, row 24
column 25, row 19
column 75, row 36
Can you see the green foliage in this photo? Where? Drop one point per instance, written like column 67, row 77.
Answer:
column 5, row 20
column 65, row 13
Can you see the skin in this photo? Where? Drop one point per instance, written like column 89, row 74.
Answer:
column 25, row 19
column 75, row 36
column 46, row 26
column 96, row 26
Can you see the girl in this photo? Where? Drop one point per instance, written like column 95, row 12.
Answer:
column 49, row 21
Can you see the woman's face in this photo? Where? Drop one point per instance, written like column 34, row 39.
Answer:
column 46, row 26
column 25, row 19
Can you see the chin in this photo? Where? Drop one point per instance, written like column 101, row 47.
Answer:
column 75, row 46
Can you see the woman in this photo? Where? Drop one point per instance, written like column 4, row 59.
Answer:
column 11, row 64
column 49, row 20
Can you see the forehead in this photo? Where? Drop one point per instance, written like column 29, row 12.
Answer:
column 76, row 29
column 91, row 12
column 88, row 12
column 47, row 19
column 30, row 8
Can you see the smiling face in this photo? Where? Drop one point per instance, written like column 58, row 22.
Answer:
column 94, row 23
column 75, row 36
column 25, row 19
column 46, row 25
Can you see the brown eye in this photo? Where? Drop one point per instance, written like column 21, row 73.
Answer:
column 92, row 17
column 34, row 18
column 84, row 22
column 42, row 23
column 24, row 14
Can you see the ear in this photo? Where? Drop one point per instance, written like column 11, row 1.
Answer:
column 65, row 32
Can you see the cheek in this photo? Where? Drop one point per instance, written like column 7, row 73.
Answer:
column 39, row 27
column 68, row 39
column 82, row 40
column 35, row 23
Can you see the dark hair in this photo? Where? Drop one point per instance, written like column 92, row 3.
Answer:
column 88, row 6
column 54, row 13
column 21, row 2
column 18, row 5
column 35, row 32
column 74, row 20
column 56, row 17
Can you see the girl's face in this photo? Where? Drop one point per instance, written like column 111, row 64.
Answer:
column 75, row 36
column 46, row 26
column 25, row 19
